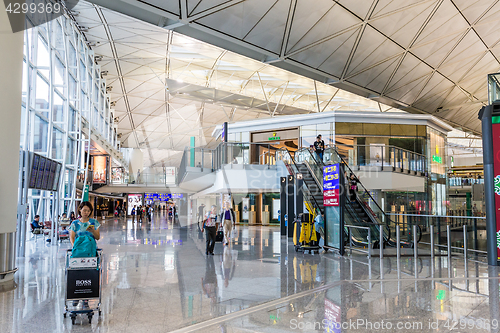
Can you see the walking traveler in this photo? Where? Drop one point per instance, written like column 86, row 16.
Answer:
column 211, row 225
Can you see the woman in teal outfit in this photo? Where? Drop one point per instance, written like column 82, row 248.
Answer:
column 84, row 225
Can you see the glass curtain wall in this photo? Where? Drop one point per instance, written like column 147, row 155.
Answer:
column 62, row 84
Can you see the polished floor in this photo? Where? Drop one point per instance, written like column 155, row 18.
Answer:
column 156, row 278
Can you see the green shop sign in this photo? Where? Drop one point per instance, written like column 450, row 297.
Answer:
column 274, row 138
column 437, row 159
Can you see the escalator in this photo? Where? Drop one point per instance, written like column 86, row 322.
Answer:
column 312, row 186
column 363, row 211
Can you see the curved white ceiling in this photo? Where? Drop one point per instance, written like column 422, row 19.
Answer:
column 427, row 56
column 166, row 87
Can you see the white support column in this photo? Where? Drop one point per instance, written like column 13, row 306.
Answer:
column 11, row 67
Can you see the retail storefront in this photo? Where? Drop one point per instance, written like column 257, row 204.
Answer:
column 393, row 141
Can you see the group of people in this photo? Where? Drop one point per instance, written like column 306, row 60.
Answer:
column 140, row 211
column 211, row 223
column 147, row 211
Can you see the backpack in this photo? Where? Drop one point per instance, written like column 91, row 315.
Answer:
column 85, row 246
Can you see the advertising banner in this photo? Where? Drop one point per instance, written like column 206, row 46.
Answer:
column 100, row 169
column 82, row 284
column 246, row 208
column 496, row 170
column 117, row 175
column 134, row 200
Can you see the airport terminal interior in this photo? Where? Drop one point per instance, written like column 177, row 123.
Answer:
column 250, row 166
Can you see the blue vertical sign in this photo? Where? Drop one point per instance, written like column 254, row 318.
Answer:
column 331, row 185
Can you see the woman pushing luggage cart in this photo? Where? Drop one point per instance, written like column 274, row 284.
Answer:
column 83, row 286
column 83, row 266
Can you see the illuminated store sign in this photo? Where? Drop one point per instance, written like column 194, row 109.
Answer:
column 274, row 137
column 437, row 159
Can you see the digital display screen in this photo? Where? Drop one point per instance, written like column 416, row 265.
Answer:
column 55, row 185
column 41, row 170
column 34, row 171
column 46, row 174
column 52, row 173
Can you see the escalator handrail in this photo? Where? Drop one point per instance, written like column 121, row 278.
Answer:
column 387, row 218
column 303, row 184
column 382, row 226
column 373, row 221
column 364, row 188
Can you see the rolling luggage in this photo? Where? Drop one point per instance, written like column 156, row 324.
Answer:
column 219, row 236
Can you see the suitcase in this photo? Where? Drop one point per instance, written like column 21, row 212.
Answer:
column 219, row 236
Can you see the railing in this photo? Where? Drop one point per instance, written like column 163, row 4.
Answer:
column 379, row 155
column 364, row 194
column 459, row 181
column 182, row 166
column 227, row 153
column 304, row 155
column 368, row 242
column 147, row 178
column 370, row 204
column 284, row 155
column 202, row 158
column 476, row 227
column 242, row 153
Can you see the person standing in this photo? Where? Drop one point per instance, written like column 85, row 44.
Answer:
column 319, row 147
column 138, row 179
column 150, row 213
column 227, row 219
column 211, row 226
column 139, row 213
column 171, row 211
column 201, row 213
column 475, row 211
column 353, row 181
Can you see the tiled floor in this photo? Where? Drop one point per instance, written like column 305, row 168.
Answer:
column 156, row 278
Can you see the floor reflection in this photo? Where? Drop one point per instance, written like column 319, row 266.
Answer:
column 157, row 277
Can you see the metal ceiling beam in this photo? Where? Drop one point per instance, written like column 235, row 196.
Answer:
column 279, row 101
column 265, row 95
column 118, row 70
column 214, row 9
column 288, row 28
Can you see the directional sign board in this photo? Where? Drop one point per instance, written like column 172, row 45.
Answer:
column 331, row 185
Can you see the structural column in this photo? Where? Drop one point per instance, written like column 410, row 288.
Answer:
column 490, row 165
column 290, row 205
column 283, row 200
column 11, row 67
column 299, row 197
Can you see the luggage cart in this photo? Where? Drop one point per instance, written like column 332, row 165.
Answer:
column 83, row 286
